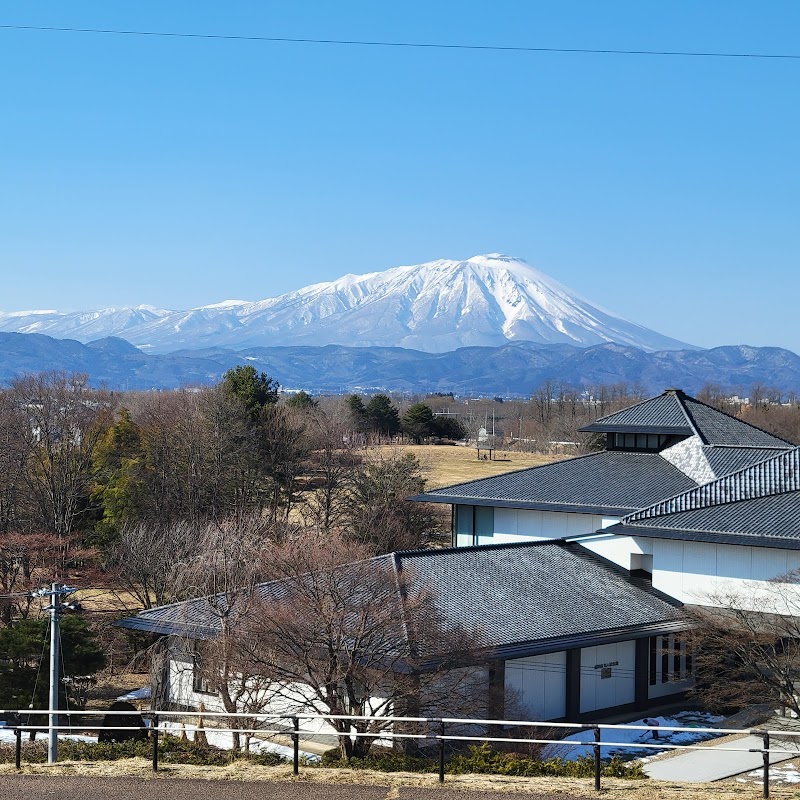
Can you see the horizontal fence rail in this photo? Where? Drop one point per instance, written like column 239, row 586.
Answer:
column 158, row 722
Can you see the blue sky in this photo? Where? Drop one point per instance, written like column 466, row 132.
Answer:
column 178, row 172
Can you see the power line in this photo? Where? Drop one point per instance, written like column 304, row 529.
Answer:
column 417, row 45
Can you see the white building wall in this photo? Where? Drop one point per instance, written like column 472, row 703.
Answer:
column 608, row 676
column 713, row 574
column 523, row 525
column 618, row 549
column 537, row 686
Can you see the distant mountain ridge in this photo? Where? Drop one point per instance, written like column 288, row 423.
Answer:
column 434, row 307
column 512, row 369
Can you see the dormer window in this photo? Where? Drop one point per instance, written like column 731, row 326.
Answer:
column 639, row 442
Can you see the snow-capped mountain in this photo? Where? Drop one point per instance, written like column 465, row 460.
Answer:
column 435, row 307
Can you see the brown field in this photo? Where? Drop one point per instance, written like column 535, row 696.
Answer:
column 446, row 464
column 614, row 789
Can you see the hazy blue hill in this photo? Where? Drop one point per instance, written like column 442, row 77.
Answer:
column 515, row 368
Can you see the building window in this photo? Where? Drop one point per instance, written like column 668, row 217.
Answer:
column 638, row 442
column 670, row 660
column 201, row 682
column 473, row 525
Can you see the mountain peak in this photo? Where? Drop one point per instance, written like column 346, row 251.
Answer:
column 438, row 306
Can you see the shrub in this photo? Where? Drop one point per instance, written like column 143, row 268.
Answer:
column 170, row 749
column 483, row 759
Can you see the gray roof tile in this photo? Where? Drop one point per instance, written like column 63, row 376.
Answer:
column 529, row 592
column 777, row 475
column 657, row 413
column 518, row 598
column 724, row 460
column 674, row 412
column 609, row 481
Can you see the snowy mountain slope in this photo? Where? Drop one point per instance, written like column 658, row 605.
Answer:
column 434, row 307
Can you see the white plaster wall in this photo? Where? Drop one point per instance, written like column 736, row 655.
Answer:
column 620, row 688
column 522, row 525
column 616, row 548
column 538, row 685
column 294, row 699
column 714, row 574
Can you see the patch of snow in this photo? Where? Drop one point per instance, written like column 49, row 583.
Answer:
column 224, row 741
column 136, row 694
column 683, row 719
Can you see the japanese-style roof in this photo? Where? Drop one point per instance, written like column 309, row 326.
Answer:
column 725, row 460
column 539, row 597
column 758, row 505
column 609, row 482
column 519, row 599
column 674, row 412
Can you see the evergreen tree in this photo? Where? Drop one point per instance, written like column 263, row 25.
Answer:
column 256, row 390
column 382, row 415
column 419, row 422
column 302, row 401
column 25, row 647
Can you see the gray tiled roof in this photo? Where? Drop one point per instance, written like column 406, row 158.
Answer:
column 777, row 475
column 535, row 592
column 519, row 598
column 676, row 413
column 663, row 413
column 758, row 505
column 719, row 428
column 724, row 460
column 774, row 517
column 606, row 482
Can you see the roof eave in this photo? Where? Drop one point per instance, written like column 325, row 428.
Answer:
column 166, row 628
column 712, row 537
column 617, row 511
column 576, row 641
column 671, row 430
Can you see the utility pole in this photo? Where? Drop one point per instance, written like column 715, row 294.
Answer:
column 55, row 649
column 55, row 593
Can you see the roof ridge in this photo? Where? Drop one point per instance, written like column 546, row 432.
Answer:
column 433, row 551
column 680, row 396
column 636, row 405
column 714, row 493
column 743, row 422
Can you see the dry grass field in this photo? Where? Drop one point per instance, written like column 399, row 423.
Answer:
column 446, row 464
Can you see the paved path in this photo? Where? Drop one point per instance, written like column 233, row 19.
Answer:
column 712, row 764
column 43, row 787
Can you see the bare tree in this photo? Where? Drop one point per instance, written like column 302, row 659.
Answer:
column 341, row 635
column 747, row 645
column 65, row 419
column 148, row 560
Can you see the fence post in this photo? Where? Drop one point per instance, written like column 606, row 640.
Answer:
column 295, row 745
column 597, row 762
column 154, row 740
column 441, row 751
column 765, row 756
column 18, row 748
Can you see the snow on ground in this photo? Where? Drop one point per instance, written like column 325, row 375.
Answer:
column 788, row 774
column 224, row 741
column 683, row 719
column 7, row 735
column 136, row 694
